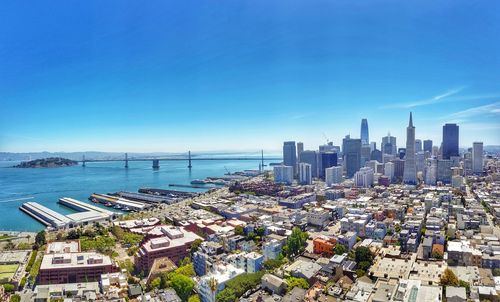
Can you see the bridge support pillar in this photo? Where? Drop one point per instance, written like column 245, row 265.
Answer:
column 156, row 164
column 126, row 160
column 189, row 158
column 83, row 161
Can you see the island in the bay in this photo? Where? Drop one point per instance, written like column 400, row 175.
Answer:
column 51, row 162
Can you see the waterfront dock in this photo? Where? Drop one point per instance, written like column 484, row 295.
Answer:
column 81, row 206
column 118, row 202
column 146, row 197
column 45, row 215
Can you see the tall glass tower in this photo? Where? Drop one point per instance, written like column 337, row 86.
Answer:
column 290, row 155
column 410, row 170
column 450, row 140
column 364, row 132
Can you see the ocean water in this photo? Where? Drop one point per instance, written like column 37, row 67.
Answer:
column 47, row 185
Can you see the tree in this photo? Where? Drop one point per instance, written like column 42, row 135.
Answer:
column 186, row 270
column 238, row 230
column 15, row 298
column 360, row 273
column 397, row 228
column 364, row 265
column 155, row 283
column 182, row 285
column 9, row 288
column 449, row 278
column 296, row 282
column 496, row 272
column 296, row 242
column 363, row 253
column 40, row 239
column 271, row 264
column 10, row 245
column 73, row 234
column 260, row 231
column 226, row 295
column 194, row 298
column 339, row 249
column 195, row 246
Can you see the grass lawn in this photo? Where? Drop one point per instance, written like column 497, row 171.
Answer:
column 7, row 271
column 6, row 237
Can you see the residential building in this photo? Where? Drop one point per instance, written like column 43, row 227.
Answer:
column 477, row 157
column 305, row 174
column 283, row 174
column 333, row 175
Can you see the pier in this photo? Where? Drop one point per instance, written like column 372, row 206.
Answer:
column 145, row 197
column 45, row 215
column 118, row 202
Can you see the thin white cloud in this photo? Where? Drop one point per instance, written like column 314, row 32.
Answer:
column 493, row 108
column 435, row 99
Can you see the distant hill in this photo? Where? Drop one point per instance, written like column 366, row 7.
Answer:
column 51, row 162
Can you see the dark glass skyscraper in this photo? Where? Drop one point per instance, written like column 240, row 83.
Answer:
column 365, row 140
column 290, row 155
column 450, row 140
column 327, row 160
column 352, row 155
column 428, row 145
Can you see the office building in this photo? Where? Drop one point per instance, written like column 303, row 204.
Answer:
column 333, row 175
column 389, row 170
column 290, row 156
column 428, row 145
column 365, row 154
column 444, row 170
column 420, row 161
column 364, row 177
column 450, row 141
column 305, row 174
column 351, row 148
column 327, row 160
column 310, row 157
column 389, row 144
column 300, row 149
column 376, row 155
column 365, row 140
column 329, row 147
column 402, row 153
column 174, row 243
column 410, row 172
column 477, row 157
column 418, row 145
column 430, row 171
column 283, row 174
column 399, row 167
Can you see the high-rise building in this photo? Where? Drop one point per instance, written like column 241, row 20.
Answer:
column 373, row 146
column 290, row 155
column 420, row 161
column 418, row 145
column 410, row 170
column 444, row 170
column 450, row 140
column 389, row 170
column 428, row 145
column 389, row 144
column 365, row 154
column 365, row 140
column 467, row 163
column 327, row 160
column 305, row 174
column 477, row 157
column 351, row 148
column 399, row 167
column 430, row 171
column 310, row 157
column 300, row 149
column 376, row 155
column 333, row 175
column 435, row 151
column 283, row 174
column 364, row 177
column 402, row 153
column 329, row 147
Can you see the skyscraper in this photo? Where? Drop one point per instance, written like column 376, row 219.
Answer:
column 450, row 140
column 428, row 145
column 410, row 170
column 290, row 155
column 333, row 175
column 305, row 176
column 418, row 145
column 389, row 144
column 300, row 149
column 310, row 157
column 352, row 155
column 477, row 157
column 327, row 160
column 364, row 132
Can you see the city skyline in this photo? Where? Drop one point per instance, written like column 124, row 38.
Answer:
column 244, row 77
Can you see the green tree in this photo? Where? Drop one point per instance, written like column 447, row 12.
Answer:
column 155, row 283
column 40, row 239
column 9, row 288
column 296, row 242
column 360, row 273
column 496, row 272
column 296, row 282
column 186, row 270
column 397, row 228
column 182, row 285
column 339, row 249
column 73, row 234
column 195, row 246
column 226, row 295
column 448, row 278
column 364, row 265
column 238, row 230
column 15, row 298
column 194, row 298
column 260, row 231
column 271, row 264
column 363, row 253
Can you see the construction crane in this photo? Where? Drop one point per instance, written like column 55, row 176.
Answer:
column 326, row 137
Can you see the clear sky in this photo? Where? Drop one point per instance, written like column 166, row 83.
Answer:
column 244, row 75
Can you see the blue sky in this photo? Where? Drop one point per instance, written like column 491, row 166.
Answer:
column 244, row 75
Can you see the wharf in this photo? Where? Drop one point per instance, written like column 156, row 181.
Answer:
column 45, row 215
column 118, row 201
column 145, row 197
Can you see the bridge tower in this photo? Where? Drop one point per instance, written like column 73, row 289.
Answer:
column 189, row 159
column 126, row 160
column 83, row 161
column 262, row 159
column 156, row 164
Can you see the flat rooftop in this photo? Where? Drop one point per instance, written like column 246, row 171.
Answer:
column 59, row 247
column 74, row 260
